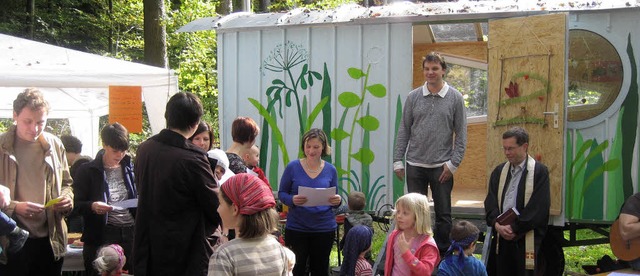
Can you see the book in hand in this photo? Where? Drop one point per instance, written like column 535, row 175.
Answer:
column 508, row 217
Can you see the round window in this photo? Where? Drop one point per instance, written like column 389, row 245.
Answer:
column 595, row 75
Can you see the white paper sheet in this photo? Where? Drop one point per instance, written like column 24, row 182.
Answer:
column 317, row 196
column 125, row 204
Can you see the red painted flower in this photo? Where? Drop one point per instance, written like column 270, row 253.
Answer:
column 512, row 90
column 538, row 157
column 526, row 77
column 541, row 98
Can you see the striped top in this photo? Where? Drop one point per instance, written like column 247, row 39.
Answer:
column 261, row 256
column 363, row 267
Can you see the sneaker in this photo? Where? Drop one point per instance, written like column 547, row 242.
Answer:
column 17, row 238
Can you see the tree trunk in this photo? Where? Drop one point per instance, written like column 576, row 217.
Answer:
column 237, row 5
column 264, row 5
column 31, row 15
column 225, row 7
column 111, row 50
column 155, row 34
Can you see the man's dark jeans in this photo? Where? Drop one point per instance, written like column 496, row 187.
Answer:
column 418, row 181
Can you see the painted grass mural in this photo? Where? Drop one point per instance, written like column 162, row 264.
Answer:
column 289, row 61
column 584, row 177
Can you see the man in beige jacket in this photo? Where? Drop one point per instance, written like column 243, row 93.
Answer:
column 34, row 167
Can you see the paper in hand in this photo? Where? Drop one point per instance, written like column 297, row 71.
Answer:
column 317, row 196
column 52, row 202
column 125, row 204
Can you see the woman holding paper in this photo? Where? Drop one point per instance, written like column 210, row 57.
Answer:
column 310, row 230
column 98, row 187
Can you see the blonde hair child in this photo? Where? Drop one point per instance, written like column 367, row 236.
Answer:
column 110, row 260
column 411, row 249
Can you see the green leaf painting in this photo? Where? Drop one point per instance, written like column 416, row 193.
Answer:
column 369, row 123
column 292, row 87
column 349, row 99
column 398, row 185
column 629, row 125
column 364, row 155
column 339, row 134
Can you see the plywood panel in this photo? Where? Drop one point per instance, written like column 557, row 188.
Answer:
column 472, row 171
column 529, row 51
column 475, row 50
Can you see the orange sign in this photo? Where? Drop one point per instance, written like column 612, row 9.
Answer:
column 125, row 107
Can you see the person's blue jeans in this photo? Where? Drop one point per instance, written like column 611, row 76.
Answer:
column 6, row 224
column 418, row 181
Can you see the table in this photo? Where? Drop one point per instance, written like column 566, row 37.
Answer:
column 73, row 261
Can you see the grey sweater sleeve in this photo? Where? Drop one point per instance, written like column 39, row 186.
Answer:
column 460, row 129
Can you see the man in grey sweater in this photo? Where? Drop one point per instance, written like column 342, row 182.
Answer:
column 432, row 114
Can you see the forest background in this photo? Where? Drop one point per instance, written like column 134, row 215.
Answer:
column 141, row 31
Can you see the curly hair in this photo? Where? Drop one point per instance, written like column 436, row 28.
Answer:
column 30, row 98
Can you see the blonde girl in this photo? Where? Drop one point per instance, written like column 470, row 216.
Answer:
column 110, row 260
column 411, row 249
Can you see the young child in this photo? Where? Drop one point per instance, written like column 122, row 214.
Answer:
column 459, row 258
column 8, row 227
column 355, row 214
column 110, row 260
column 247, row 205
column 411, row 249
column 221, row 170
column 358, row 243
column 251, row 158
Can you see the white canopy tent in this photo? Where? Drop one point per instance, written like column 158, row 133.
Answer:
column 76, row 84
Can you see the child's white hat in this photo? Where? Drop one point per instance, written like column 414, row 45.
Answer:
column 223, row 161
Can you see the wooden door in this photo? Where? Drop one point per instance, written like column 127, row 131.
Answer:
column 527, row 76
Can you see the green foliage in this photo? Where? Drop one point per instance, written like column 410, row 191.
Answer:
column 193, row 55
column 579, row 96
column 577, row 256
column 127, row 25
column 285, row 5
column 89, row 25
column 73, row 24
column 472, row 83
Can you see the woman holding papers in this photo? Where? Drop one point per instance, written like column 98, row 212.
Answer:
column 310, row 228
column 98, row 187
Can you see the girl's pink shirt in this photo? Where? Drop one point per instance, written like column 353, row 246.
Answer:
column 422, row 262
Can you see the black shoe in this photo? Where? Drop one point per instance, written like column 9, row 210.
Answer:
column 17, row 238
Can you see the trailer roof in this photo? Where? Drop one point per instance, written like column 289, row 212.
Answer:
column 464, row 11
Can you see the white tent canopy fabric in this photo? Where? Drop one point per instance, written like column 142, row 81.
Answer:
column 76, row 84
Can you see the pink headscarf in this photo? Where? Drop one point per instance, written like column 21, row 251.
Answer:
column 249, row 193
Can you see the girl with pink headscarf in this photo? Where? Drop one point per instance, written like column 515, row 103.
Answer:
column 247, row 205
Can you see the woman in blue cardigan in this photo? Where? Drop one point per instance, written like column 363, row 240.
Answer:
column 310, row 230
